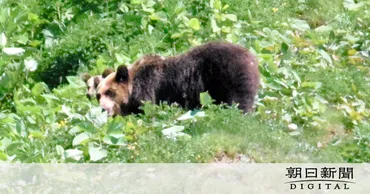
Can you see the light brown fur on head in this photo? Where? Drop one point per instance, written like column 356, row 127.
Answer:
column 115, row 89
column 111, row 94
column 92, row 82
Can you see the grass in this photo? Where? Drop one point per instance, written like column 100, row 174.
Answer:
column 226, row 133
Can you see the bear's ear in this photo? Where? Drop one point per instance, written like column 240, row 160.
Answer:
column 85, row 76
column 106, row 72
column 122, row 74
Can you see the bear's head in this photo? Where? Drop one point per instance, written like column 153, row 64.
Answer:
column 92, row 82
column 114, row 91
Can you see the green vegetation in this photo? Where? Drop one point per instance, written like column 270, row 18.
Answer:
column 313, row 105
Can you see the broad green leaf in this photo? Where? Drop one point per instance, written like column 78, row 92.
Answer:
column 315, row 85
column 226, row 29
column 79, row 139
column 129, row 137
column 352, row 38
column 3, row 39
column 4, row 143
column 101, row 62
column 97, row 153
column 37, row 134
column 324, row 29
column 155, row 17
column 66, row 110
column 23, row 39
column 30, row 120
column 123, row 7
column 214, row 26
column 231, row 17
column 3, row 156
column 287, row 117
column 150, row 29
column 136, row 2
column 14, row 147
column 351, row 52
column 38, row 89
column 35, row 43
column 352, row 5
column 149, row 10
column 216, row 4
column 150, row 3
column 129, row 127
column 325, row 56
column 47, row 33
column 115, row 128
column 75, row 129
column 281, row 83
column 292, row 126
column 194, row 23
column 74, row 154
column 50, row 97
column 316, row 105
column 173, row 131
column 33, row 17
column 296, row 77
column 272, row 67
column 284, row 48
column 299, row 24
column 141, row 130
column 194, row 42
column 97, row 116
column 274, row 86
column 76, row 82
column 13, row 51
column 191, row 115
column 121, row 58
column 205, row 99
column 295, row 133
column 49, row 42
column 8, row 79
column 60, row 150
column 176, row 35
column 232, row 38
column 111, row 140
column 266, row 44
column 87, row 126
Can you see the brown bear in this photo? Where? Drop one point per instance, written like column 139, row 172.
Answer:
column 227, row 71
column 92, row 82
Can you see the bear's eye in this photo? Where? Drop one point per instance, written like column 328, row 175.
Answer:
column 98, row 96
column 110, row 93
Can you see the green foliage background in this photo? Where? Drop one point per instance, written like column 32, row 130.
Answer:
column 313, row 105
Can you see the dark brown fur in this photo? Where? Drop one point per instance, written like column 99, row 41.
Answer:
column 228, row 72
